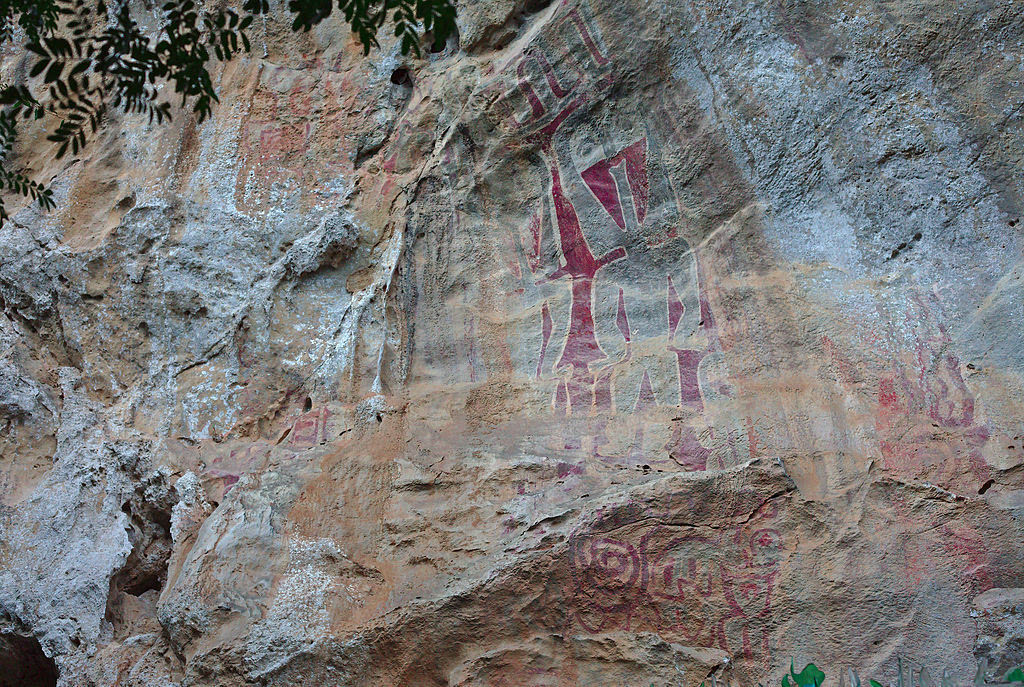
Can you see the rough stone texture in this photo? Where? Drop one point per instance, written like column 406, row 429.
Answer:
column 623, row 343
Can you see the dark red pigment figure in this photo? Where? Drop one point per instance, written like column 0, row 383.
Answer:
column 685, row 448
column 587, row 388
column 581, row 348
column 549, row 92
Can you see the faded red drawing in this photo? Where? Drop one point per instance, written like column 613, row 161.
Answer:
column 926, row 420
column 227, row 470
column 710, row 588
column 309, row 429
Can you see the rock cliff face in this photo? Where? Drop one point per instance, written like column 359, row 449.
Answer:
column 617, row 344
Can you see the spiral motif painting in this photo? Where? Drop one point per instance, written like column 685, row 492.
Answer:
column 712, row 588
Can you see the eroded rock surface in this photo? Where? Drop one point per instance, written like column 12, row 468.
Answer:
column 618, row 343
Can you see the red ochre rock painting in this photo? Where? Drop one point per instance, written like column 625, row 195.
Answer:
column 308, row 430
column 704, row 587
column 594, row 241
column 582, row 376
column 926, row 422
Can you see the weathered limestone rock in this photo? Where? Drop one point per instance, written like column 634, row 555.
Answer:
column 617, row 344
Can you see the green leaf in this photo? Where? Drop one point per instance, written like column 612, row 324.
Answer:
column 1015, row 675
column 874, row 683
column 58, row 47
column 810, row 676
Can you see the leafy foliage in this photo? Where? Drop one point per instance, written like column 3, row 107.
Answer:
column 810, row 676
column 92, row 57
column 18, row 101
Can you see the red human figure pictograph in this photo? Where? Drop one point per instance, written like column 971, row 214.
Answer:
column 310, row 429
column 685, row 448
column 603, row 405
column 579, row 264
column 602, row 184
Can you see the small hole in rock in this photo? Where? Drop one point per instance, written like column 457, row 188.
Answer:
column 917, row 236
column 308, row 405
column 135, row 587
column 985, row 486
column 23, row 663
column 401, row 77
column 380, row 418
column 126, row 204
